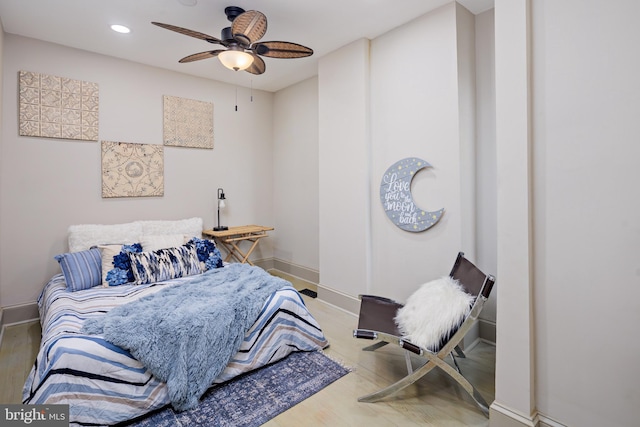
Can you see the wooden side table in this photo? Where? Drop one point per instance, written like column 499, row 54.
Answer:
column 231, row 238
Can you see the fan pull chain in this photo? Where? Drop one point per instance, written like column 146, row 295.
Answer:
column 236, row 96
column 251, row 90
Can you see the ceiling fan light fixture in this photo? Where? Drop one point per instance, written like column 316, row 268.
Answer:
column 236, row 59
column 243, row 51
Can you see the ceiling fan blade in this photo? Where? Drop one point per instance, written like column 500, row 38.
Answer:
column 249, row 27
column 190, row 33
column 201, row 55
column 282, row 50
column 258, row 66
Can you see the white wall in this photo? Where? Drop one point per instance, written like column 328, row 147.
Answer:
column 584, row 232
column 343, row 81
column 466, row 71
column 424, row 110
column 49, row 184
column 1, row 144
column 295, row 185
column 486, row 183
column 415, row 111
column 515, row 363
column 586, row 103
column 293, row 134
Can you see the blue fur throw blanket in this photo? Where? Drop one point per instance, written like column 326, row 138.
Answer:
column 186, row 334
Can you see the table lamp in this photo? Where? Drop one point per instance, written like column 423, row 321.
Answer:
column 221, row 205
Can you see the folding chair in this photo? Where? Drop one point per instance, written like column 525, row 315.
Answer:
column 376, row 322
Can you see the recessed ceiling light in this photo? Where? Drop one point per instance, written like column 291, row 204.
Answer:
column 188, row 2
column 120, row 29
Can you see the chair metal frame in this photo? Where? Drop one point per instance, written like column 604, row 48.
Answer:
column 476, row 283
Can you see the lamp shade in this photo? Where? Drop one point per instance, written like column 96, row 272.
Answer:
column 236, row 59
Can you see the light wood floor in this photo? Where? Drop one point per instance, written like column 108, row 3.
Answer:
column 435, row 400
column 18, row 351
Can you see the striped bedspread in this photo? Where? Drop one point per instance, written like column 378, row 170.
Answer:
column 104, row 384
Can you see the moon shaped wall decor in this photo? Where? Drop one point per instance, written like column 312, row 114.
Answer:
column 397, row 200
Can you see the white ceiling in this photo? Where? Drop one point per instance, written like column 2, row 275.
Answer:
column 321, row 25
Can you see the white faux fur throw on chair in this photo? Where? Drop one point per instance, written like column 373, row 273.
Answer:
column 433, row 311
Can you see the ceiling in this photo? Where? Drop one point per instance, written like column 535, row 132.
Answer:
column 323, row 26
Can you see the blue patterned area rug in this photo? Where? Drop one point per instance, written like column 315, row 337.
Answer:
column 256, row 397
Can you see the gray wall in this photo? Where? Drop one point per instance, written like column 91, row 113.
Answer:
column 48, row 184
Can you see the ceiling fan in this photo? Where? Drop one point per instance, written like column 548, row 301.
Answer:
column 243, row 50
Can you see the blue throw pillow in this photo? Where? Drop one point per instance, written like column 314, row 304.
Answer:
column 116, row 267
column 81, row 270
column 164, row 264
column 208, row 254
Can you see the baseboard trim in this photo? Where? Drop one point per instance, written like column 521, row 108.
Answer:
column 502, row 416
column 472, row 338
column 298, row 271
column 549, row 422
column 484, row 330
column 19, row 314
column 327, row 295
column 487, row 331
column 265, row 264
column 338, row 299
column 16, row 314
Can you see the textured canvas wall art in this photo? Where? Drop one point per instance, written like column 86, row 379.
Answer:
column 187, row 122
column 58, row 107
column 132, row 170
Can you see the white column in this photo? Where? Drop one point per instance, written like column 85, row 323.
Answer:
column 514, row 403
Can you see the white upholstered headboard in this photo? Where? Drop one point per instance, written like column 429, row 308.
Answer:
column 84, row 236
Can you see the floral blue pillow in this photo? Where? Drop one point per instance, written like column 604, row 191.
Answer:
column 116, row 267
column 208, row 254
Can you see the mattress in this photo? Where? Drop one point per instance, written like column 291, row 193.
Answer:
column 104, row 385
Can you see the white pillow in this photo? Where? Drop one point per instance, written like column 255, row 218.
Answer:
column 153, row 242
column 191, row 227
column 433, row 311
column 85, row 236
column 117, row 271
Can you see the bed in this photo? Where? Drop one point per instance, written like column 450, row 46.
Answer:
column 104, row 384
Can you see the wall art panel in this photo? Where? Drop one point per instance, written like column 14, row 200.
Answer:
column 132, row 170
column 58, row 107
column 187, row 122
